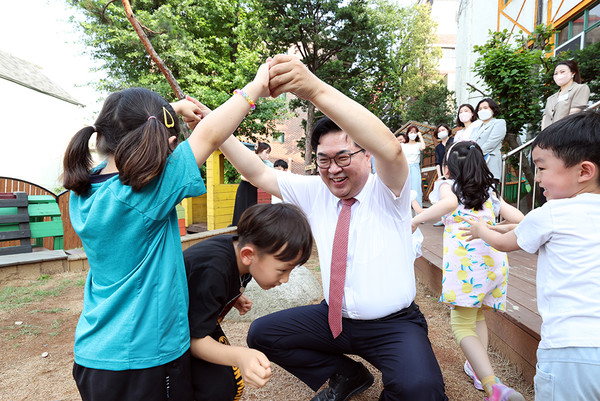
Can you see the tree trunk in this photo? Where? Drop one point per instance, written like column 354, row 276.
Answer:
column 156, row 58
column 310, row 121
column 150, row 49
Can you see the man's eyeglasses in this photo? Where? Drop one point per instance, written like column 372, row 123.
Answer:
column 341, row 159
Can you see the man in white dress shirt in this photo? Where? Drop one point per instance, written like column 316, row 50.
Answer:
column 381, row 323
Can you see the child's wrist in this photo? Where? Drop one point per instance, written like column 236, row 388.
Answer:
column 253, row 89
column 247, row 96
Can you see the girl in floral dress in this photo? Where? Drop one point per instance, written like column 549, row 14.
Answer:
column 475, row 274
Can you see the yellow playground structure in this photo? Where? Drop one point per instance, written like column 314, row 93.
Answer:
column 215, row 208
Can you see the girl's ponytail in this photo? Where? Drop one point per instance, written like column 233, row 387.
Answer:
column 78, row 161
column 134, row 126
column 472, row 177
column 142, row 154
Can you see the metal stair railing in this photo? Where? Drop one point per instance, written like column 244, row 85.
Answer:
column 520, row 151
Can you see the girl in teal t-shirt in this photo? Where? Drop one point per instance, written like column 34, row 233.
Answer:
column 132, row 339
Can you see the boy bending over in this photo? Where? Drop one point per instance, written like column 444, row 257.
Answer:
column 271, row 241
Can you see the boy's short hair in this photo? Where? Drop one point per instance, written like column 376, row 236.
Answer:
column 573, row 139
column 281, row 163
column 271, row 227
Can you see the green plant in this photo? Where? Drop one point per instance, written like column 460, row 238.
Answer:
column 512, row 67
column 24, row 329
column 55, row 326
column 12, row 297
column 53, row 310
column 435, row 105
column 231, row 174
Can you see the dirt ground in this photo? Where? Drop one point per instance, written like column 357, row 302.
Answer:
column 37, row 325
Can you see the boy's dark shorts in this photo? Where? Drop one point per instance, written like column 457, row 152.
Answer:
column 213, row 382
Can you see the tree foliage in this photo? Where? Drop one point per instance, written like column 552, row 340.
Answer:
column 374, row 51
column 434, row 106
column 513, row 71
column 210, row 46
column 411, row 70
column 377, row 53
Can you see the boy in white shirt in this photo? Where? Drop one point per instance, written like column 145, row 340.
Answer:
column 566, row 233
column 283, row 166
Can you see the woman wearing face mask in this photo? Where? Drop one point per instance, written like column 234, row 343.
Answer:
column 467, row 120
column 443, row 134
column 572, row 97
column 490, row 134
column 412, row 149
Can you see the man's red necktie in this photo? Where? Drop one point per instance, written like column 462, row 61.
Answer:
column 339, row 258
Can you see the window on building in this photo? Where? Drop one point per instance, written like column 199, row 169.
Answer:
column 577, row 26
column 592, row 36
column 587, row 24
column 563, row 36
column 594, row 15
column 278, row 137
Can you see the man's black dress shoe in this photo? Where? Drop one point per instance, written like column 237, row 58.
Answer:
column 341, row 388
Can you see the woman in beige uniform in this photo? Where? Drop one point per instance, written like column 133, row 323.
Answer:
column 572, row 97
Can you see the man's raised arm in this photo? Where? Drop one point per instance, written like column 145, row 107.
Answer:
column 250, row 166
column 289, row 74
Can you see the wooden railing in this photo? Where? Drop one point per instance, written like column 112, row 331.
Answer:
column 70, row 239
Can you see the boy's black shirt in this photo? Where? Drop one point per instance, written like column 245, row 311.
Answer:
column 213, row 282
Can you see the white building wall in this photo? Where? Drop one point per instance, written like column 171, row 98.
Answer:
column 34, row 132
column 444, row 12
column 475, row 19
column 522, row 11
column 560, row 8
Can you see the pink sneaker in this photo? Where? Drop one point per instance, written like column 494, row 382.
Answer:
column 500, row 392
column 469, row 371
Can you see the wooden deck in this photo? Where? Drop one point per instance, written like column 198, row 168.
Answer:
column 515, row 333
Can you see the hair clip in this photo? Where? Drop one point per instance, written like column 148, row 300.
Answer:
column 167, row 124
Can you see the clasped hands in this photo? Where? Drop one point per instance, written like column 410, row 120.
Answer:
column 280, row 74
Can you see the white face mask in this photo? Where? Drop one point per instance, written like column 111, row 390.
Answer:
column 485, row 114
column 563, row 78
column 412, row 136
column 443, row 134
column 465, row 116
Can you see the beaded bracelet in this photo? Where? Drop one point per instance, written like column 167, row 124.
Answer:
column 246, row 96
